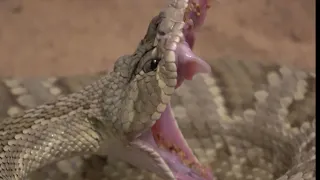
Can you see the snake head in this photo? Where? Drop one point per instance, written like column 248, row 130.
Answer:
column 161, row 63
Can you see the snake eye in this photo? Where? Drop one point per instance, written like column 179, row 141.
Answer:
column 151, row 65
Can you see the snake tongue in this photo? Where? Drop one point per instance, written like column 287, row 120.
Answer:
column 189, row 64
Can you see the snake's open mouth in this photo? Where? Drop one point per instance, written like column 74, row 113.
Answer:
column 164, row 142
column 165, row 139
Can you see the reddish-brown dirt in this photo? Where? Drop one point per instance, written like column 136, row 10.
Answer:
column 59, row 37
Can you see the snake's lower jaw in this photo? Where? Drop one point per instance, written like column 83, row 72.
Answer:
column 162, row 150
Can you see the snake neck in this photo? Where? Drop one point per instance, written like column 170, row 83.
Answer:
column 70, row 126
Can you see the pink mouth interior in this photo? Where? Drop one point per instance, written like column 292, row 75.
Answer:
column 189, row 64
column 170, row 132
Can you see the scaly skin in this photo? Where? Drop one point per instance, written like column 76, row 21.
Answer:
column 111, row 116
column 195, row 105
column 115, row 108
column 283, row 131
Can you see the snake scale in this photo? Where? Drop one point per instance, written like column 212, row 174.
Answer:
column 245, row 120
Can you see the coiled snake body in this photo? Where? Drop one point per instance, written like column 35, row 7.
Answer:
column 246, row 120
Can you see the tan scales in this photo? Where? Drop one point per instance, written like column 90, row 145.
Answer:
column 246, row 120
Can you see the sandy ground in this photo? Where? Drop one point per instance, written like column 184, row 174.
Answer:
column 66, row 37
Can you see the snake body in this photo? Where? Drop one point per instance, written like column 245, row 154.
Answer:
column 246, row 120
column 234, row 154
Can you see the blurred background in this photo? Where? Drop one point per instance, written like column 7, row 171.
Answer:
column 68, row 37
